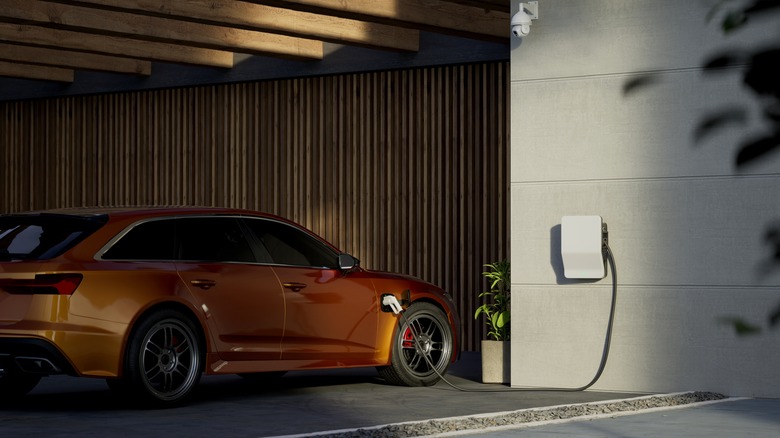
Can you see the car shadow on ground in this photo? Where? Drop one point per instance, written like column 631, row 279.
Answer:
column 71, row 394
column 62, row 393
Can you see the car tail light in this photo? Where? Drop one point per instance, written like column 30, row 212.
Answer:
column 43, row 284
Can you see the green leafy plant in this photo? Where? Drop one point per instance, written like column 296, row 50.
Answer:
column 496, row 308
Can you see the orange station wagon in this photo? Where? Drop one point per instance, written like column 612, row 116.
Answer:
column 151, row 298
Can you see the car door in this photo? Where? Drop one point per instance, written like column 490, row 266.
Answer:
column 240, row 296
column 330, row 313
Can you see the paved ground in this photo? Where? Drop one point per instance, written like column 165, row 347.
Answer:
column 310, row 402
column 726, row 419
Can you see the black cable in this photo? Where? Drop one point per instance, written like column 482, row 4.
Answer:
column 604, row 354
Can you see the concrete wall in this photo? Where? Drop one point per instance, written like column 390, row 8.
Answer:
column 686, row 227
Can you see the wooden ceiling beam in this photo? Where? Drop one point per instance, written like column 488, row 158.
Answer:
column 280, row 20
column 26, row 71
column 74, row 60
column 109, row 45
column 488, row 5
column 99, row 21
column 457, row 18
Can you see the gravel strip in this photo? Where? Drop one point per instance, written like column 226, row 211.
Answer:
column 477, row 422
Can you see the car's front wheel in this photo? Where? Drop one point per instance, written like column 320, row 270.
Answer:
column 422, row 347
column 164, row 358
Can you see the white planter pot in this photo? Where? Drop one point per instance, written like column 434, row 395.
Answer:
column 495, row 361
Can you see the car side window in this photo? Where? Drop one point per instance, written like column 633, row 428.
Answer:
column 288, row 245
column 151, row 240
column 213, row 239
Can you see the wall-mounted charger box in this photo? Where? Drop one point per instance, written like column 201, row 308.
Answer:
column 581, row 247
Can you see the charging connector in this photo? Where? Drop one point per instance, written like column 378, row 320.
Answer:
column 390, row 304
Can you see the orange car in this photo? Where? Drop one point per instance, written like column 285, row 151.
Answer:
column 151, row 298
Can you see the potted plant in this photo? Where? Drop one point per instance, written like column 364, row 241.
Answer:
column 496, row 312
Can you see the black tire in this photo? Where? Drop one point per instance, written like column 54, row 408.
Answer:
column 164, row 359
column 431, row 337
column 17, row 384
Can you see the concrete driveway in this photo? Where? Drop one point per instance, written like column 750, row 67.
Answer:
column 308, row 403
column 299, row 403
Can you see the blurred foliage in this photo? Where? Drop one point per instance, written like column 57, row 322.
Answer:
column 741, row 327
column 760, row 70
column 760, row 73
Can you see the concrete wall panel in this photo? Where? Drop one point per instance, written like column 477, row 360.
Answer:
column 594, row 37
column 681, row 231
column 665, row 339
column 687, row 229
column 590, row 128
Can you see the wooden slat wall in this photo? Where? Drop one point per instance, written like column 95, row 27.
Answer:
column 407, row 170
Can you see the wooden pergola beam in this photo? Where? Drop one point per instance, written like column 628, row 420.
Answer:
column 27, row 71
column 123, row 47
column 75, row 60
column 279, row 20
column 102, row 22
column 457, row 18
column 127, row 36
column 488, row 5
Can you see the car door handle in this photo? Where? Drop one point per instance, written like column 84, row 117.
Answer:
column 203, row 284
column 295, row 287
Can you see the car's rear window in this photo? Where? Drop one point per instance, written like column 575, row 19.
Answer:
column 152, row 240
column 43, row 236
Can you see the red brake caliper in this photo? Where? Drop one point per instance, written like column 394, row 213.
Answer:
column 408, row 341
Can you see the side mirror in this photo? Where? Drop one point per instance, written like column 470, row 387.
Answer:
column 347, row 262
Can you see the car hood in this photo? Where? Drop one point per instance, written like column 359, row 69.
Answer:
column 420, row 285
column 392, row 276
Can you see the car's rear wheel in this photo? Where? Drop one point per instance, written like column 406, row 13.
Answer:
column 164, row 358
column 422, row 347
column 17, row 384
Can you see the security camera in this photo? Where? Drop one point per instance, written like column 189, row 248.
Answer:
column 521, row 24
column 521, row 21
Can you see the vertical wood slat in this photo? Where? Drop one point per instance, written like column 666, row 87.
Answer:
column 407, row 169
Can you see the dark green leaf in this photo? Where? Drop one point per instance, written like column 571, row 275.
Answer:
column 763, row 6
column 718, row 62
column 756, row 149
column 639, row 82
column 742, row 327
column 719, row 120
column 774, row 317
column 733, row 20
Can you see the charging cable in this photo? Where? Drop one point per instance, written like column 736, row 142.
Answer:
column 392, row 302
